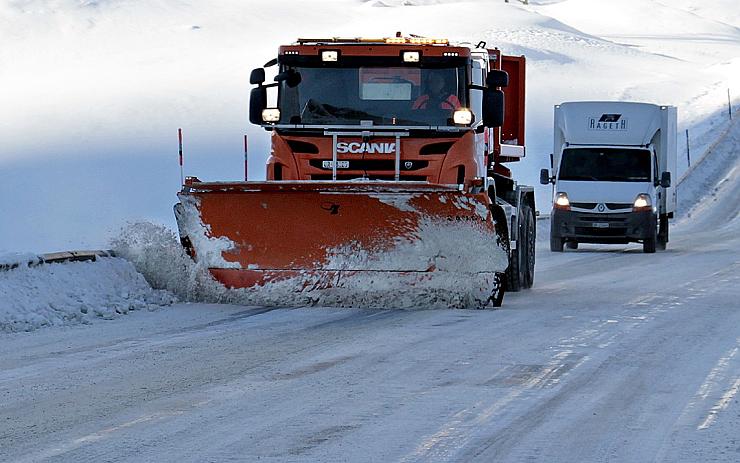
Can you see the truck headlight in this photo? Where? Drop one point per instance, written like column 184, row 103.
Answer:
column 411, row 57
column 329, row 55
column 642, row 203
column 562, row 202
column 463, row 117
column 271, row 115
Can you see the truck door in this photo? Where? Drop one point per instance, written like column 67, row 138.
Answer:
column 478, row 71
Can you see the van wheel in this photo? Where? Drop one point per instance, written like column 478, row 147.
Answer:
column 662, row 233
column 649, row 243
column 556, row 243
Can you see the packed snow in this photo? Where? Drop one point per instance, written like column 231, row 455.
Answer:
column 70, row 293
column 93, row 92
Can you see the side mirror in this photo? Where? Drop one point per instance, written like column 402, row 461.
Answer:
column 497, row 78
column 544, row 176
column 290, row 77
column 493, row 108
column 665, row 179
column 257, row 103
column 257, row 77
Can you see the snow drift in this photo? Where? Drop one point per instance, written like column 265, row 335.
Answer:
column 73, row 293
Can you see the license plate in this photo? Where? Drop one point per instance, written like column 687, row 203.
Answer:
column 600, row 225
column 340, row 164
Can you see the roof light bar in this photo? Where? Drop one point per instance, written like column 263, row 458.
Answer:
column 417, row 40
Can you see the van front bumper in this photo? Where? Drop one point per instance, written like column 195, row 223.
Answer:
column 590, row 227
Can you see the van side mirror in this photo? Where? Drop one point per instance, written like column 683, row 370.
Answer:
column 545, row 177
column 493, row 108
column 257, row 77
column 257, row 103
column 665, row 179
column 497, row 78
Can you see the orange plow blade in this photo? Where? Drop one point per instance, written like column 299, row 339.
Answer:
column 318, row 235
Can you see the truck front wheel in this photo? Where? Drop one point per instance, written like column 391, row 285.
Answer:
column 520, row 274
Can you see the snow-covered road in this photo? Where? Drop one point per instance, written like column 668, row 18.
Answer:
column 614, row 355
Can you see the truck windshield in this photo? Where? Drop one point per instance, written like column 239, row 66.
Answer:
column 605, row 165
column 409, row 96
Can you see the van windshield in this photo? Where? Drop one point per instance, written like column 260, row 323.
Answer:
column 411, row 96
column 605, row 165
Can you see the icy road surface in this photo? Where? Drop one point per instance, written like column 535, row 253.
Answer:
column 613, row 356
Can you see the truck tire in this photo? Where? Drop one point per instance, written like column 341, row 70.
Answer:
column 662, row 232
column 520, row 274
column 531, row 240
column 649, row 243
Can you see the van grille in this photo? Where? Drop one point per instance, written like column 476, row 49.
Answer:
column 589, row 231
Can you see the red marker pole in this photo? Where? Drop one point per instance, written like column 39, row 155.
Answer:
column 182, row 175
column 246, row 167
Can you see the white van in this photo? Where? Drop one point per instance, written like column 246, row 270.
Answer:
column 612, row 166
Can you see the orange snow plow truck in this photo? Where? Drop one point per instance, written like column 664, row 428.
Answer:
column 387, row 166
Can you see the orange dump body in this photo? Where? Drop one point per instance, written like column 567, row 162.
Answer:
column 269, row 231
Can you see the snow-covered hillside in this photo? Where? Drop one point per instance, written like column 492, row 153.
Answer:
column 93, row 92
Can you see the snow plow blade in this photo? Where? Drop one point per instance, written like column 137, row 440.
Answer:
column 317, row 235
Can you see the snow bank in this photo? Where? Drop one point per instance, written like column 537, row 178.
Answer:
column 463, row 278
column 73, row 293
column 11, row 259
column 709, row 193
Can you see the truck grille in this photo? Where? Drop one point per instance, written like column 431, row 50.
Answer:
column 369, row 176
column 372, row 164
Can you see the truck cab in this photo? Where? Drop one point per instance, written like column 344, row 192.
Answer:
column 612, row 167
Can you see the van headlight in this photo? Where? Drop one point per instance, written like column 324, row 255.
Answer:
column 562, row 202
column 642, row 203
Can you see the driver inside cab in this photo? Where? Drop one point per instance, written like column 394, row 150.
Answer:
column 437, row 94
